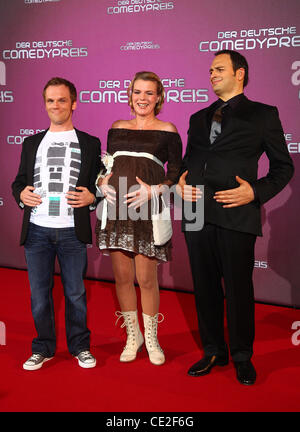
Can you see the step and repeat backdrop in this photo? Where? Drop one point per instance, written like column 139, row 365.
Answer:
column 99, row 45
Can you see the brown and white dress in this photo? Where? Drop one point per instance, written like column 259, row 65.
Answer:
column 165, row 147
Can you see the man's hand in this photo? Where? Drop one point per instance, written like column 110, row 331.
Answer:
column 236, row 197
column 187, row 192
column 80, row 199
column 29, row 198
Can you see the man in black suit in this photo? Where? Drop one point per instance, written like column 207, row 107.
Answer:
column 55, row 186
column 225, row 142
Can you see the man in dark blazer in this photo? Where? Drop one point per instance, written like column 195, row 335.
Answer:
column 225, row 142
column 55, row 186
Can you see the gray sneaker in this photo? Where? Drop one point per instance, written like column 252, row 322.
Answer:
column 35, row 362
column 86, row 359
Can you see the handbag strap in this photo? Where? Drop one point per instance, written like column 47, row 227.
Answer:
column 155, row 196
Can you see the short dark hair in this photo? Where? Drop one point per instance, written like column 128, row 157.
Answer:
column 238, row 61
column 61, row 81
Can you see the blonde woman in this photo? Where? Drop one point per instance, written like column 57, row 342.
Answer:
column 139, row 148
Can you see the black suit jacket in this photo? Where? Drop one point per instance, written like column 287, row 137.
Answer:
column 252, row 129
column 90, row 166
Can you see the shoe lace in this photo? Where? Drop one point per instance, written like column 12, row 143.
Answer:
column 35, row 357
column 86, row 355
column 121, row 315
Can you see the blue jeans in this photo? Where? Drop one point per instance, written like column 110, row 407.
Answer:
column 41, row 247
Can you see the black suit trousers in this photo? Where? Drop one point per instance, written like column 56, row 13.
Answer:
column 217, row 253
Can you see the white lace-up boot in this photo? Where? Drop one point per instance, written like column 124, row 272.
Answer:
column 135, row 338
column 156, row 354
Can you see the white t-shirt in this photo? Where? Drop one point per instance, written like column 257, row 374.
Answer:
column 56, row 172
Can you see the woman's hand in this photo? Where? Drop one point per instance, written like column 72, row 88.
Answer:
column 107, row 190
column 140, row 196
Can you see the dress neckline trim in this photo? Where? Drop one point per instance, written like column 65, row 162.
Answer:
column 144, row 130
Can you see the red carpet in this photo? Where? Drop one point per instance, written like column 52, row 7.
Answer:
column 61, row 385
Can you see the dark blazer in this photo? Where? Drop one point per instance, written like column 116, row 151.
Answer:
column 252, row 129
column 90, row 166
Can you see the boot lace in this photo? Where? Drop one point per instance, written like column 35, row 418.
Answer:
column 129, row 323
column 151, row 331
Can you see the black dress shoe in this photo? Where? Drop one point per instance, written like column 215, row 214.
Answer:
column 245, row 372
column 204, row 366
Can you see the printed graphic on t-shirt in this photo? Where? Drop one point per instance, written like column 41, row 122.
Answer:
column 56, row 172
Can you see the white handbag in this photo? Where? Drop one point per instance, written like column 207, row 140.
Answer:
column 161, row 222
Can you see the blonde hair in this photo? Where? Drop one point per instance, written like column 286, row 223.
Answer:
column 148, row 76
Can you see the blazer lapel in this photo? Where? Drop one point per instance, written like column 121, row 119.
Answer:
column 35, row 145
column 243, row 109
column 84, row 154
